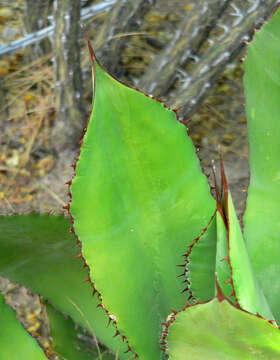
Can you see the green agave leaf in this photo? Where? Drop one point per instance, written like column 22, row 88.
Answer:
column 15, row 342
column 39, row 252
column 217, row 330
column 262, row 216
column 139, row 198
column 66, row 342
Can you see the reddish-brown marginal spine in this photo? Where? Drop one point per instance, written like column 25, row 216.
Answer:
column 187, row 255
column 218, row 196
column 227, row 222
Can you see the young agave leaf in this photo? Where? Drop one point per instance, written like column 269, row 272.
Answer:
column 262, row 216
column 139, row 198
column 39, row 252
column 223, row 269
column 66, row 343
column 217, row 330
column 227, row 256
column 247, row 291
column 15, row 342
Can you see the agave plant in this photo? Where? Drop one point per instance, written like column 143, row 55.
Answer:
column 168, row 269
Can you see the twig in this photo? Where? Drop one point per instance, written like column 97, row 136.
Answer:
column 25, row 156
column 15, row 170
column 53, row 194
column 88, row 324
column 9, row 204
column 124, row 17
column 121, row 35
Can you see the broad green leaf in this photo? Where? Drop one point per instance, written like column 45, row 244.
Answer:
column 201, row 264
column 39, row 252
column 219, row 331
column 262, row 216
column 66, row 342
column 15, row 342
column 139, row 198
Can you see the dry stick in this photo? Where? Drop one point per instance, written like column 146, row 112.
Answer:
column 187, row 40
column 88, row 324
column 37, row 62
column 224, row 50
column 15, row 170
column 33, row 81
column 9, row 204
column 125, row 16
column 24, row 172
column 18, row 96
column 117, row 352
column 135, row 33
column 25, row 156
column 35, row 18
column 52, row 193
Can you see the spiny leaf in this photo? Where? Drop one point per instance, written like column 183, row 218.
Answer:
column 139, row 199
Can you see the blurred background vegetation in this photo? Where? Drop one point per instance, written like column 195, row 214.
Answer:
column 186, row 52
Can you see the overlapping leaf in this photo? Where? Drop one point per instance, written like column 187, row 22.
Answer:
column 217, row 330
column 39, row 252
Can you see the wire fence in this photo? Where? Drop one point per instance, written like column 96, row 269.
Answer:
column 48, row 31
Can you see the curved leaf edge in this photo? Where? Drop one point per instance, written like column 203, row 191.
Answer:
column 220, row 297
column 224, row 206
column 186, row 279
